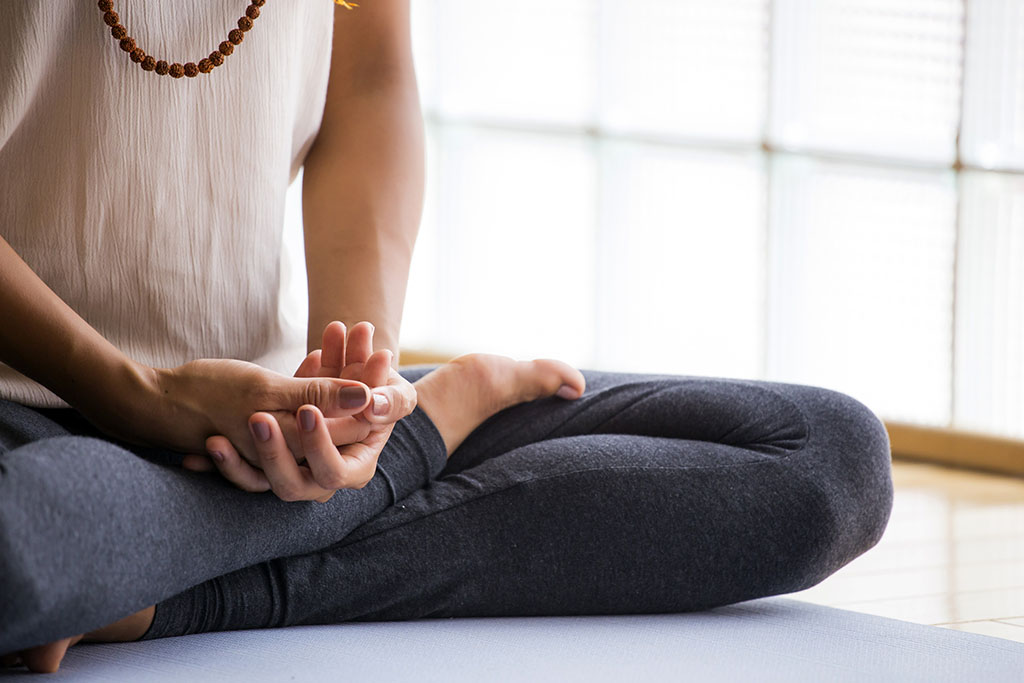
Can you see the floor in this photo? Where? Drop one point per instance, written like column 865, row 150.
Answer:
column 952, row 556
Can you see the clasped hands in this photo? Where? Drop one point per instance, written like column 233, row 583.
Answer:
column 333, row 439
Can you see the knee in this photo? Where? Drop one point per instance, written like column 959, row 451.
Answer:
column 848, row 488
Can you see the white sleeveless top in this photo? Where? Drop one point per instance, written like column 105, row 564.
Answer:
column 154, row 206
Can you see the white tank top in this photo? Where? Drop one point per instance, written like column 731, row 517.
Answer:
column 154, row 206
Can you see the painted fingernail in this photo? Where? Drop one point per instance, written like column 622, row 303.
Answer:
column 567, row 392
column 261, row 431
column 307, row 419
column 352, row 397
column 217, row 455
column 381, row 405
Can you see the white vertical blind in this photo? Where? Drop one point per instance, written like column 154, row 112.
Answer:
column 861, row 286
column 682, row 261
column 993, row 133
column 990, row 305
column 527, row 61
column 684, row 68
column 599, row 190
column 516, row 216
column 877, row 77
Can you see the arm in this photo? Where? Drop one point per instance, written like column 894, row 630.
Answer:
column 362, row 191
column 43, row 338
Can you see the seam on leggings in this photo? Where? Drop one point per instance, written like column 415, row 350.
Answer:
column 605, row 397
column 799, row 409
column 390, row 484
column 595, row 429
column 765, row 386
column 560, row 475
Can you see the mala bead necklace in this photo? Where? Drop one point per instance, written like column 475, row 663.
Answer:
column 191, row 69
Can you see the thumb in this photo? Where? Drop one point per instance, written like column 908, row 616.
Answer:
column 334, row 397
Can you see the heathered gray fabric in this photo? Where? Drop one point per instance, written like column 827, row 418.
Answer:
column 651, row 493
column 91, row 532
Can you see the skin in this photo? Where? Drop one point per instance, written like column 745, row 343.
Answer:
column 363, row 178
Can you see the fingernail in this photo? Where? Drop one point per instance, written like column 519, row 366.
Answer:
column 261, row 431
column 217, row 455
column 567, row 392
column 380, row 404
column 352, row 397
column 307, row 419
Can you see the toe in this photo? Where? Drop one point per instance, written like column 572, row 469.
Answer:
column 560, row 379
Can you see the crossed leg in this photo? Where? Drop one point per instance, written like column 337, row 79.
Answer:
column 90, row 532
column 651, row 493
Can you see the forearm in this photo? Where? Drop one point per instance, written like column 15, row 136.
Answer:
column 43, row 338
column 362, row 202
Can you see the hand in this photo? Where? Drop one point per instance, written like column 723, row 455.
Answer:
column 181, row 407
column 279, row 466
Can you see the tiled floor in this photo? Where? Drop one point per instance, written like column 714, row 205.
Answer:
column 953, row 555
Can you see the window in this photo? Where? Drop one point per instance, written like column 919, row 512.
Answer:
column 818, row 191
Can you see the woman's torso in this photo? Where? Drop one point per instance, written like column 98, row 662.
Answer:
column 154, row 206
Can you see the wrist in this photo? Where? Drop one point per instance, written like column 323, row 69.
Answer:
column 121, row 397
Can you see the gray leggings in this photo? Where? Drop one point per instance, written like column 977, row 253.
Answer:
column 651, row 493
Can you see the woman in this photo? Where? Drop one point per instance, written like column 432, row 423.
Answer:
column 141, row 209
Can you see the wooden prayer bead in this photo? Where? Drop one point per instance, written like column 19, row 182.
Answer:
column 177, row 70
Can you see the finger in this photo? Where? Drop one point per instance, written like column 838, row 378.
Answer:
column 392, row 402
column 233, row 467
column 343, row 430
column 333, row 345
column 198, row 463
column 334, row 397
column 360, row 343
column 377, row 369
column 329, row 469
column 361, row 457
column 310, row 365
column 288, row 481
column 389, row 404
column 290, row 431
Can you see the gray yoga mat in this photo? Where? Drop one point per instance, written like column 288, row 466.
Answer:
column 763, row 640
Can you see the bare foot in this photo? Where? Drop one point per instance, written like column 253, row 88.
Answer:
column 459, row 395
column 46, row 659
